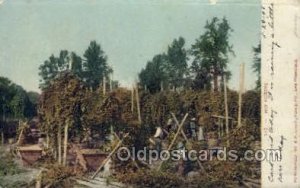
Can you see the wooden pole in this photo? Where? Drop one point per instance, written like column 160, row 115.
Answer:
column 187, row 141
column 226, row 110
column 219, row 127
column 110, row 82
column 47, row 141
column 131, row 157
column 59, row 143
column 132, row 99
column 65, row 144
column 20, row 135
column 175, row 137
column 242, row 72
column 109, row 156
column 104, row 85
column 161, row 86
column 3, row 121
column 138, row 105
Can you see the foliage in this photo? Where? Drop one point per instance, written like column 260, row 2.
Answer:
column 177, row 62
column 210, row 53
column 60, row 103
column 154, row 74
column 95, row 65
column 54, row 65
column 151, row 178
column 58, row 176
column 14, row 101
column 90, row 70
column 8, row 165
column 257, row 65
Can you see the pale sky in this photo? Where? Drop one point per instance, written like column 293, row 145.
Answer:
column 130, row 32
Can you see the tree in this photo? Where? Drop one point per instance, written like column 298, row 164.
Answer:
column 56, row 65
column 177, row 62
column 154, row 74
column 211, row 51
column 14, row 100
column 95, row 65
column 257, row 65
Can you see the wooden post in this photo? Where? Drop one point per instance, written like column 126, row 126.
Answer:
column 138, row 105
column 104, row 85
column 219, row 127
column 59, row 143
column 65, row 144
column 3, row 121
column 175, row 137
column 47, row 141
column 109, row 156
column 226, row 111
column 20, row 135
column 132, row 99
column 110, row 82
column 242, row 72
column 161, row 86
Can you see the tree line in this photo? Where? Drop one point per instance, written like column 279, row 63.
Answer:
column 92, row 68
column 15, row 102
column 209, row 57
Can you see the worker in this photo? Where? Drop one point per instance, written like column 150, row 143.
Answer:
column 170, row 125
column 200, row 134
column 193, row 128
column 158, row 136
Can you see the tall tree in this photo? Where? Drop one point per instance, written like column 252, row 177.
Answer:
column 257, row 64
column 95, row 65
column 211, row 50
column 177, row 62
column 55, row 65
column 154, row 74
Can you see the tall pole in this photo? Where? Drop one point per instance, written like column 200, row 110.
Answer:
column 65, row 143
column 138, row 104
column 3, row 120
column 242, row 74
column 110, row 82
column 59, row 143
column 132, row 99
column 226, row 110
column 104, row 85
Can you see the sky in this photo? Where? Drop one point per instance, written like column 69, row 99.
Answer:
column 130, row 33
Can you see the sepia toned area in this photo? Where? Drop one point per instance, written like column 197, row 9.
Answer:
column 74, row 106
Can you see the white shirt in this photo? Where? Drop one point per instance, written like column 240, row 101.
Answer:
column 158, row 132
